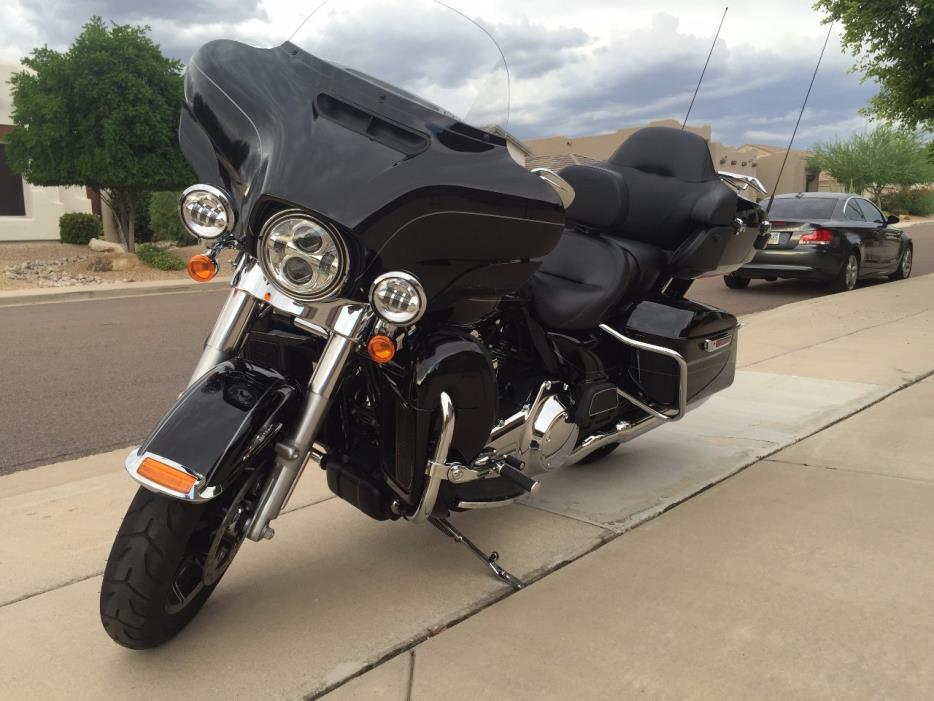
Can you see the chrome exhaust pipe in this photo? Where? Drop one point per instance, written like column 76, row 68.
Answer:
column 623, row 432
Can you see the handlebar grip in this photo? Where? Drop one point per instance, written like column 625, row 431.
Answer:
column 515, row 476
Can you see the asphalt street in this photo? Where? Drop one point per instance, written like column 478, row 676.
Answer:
column 89, row 376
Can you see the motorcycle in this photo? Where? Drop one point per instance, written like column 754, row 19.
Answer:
column 412, row 311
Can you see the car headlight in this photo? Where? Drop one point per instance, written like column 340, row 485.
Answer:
column 206, row 211
column 398, row 298
column 303, row 257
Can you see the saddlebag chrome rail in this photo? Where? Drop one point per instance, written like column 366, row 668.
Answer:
column 661, row 350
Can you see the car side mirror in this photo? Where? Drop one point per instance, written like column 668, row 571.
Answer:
column 891, row 219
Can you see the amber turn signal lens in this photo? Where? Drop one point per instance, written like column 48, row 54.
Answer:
column 166, row 476
column 381, row 348
column 201, row 268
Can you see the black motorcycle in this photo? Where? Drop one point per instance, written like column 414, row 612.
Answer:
column 411, row 311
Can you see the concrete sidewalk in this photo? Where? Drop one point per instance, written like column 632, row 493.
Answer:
column 808, row 576
column 661, row 609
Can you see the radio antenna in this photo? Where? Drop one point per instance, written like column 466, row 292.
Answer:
column 800, row 114
column 701, row 79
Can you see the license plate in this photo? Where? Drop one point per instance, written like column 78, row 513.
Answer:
column 775, row 238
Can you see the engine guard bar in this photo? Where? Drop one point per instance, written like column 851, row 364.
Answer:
column 664, row 415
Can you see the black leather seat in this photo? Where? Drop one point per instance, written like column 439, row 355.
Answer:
column 633, row 221
column 587, row 276
column 580, row 281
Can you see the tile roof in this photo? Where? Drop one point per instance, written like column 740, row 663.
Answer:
column 558, row 161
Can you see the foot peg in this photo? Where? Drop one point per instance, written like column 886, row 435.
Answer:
column 446, row 527
column 511, row 469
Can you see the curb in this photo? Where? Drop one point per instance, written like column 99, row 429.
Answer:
column 10, row 298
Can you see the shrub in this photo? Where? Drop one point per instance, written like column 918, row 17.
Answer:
column 164, row 221
column 78, row 227
column 158, row 258
column 919, row 201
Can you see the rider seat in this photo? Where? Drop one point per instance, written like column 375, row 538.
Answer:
column 650, row 213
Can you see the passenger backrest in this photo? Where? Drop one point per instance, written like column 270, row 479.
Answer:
column 674, row 190
column 659, row 187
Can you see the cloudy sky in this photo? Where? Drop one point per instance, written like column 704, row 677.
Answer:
column 576, row 66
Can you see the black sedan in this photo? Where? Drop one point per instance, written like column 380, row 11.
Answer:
column 834, row 237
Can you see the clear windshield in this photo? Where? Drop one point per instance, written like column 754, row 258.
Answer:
column 422, row 48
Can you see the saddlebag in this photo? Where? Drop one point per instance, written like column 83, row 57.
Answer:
column 704, row 336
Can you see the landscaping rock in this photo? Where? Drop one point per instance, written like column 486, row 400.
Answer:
column 100, row 264
column 101, row 246
column 48, row 273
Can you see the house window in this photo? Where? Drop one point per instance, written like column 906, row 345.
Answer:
column 12, row 203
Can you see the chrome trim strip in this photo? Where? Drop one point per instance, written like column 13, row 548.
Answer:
column 437, row 469
column 472, row 505
column 661, row 350
column 564, row 189
column 198, row 492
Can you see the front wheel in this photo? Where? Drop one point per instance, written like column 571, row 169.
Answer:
column 904, row 265
column 166, row 560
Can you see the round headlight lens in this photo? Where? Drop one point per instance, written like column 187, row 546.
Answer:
column 206, row 211
column 302, row 256
column 398, row 298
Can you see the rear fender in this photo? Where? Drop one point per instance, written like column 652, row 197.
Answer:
column 217, row 426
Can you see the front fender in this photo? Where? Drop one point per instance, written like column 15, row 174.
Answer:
column 217, row 425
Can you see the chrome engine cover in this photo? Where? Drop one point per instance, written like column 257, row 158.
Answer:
column 550, row 437
column 541, row 435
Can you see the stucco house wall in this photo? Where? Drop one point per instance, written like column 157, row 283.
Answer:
column 43, row 205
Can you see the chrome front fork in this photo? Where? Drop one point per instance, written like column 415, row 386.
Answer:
column 228, row 332
column 292, row 453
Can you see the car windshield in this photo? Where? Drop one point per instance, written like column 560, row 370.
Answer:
column 802, row 208
column 421, row 49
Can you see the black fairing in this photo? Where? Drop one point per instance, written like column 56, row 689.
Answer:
column 224, row 419
column 410, row 187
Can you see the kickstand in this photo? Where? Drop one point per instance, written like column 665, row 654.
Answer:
column 446, row 527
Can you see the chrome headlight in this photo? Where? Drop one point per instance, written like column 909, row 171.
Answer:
column 398, row 298
column 303, row 257
column 206, row 211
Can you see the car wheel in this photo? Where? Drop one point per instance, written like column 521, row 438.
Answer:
column 904, row 265
column 849, row 274
column 736, row 283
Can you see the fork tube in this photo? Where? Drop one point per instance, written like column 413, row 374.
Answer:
column 293, row 453
column 228, row 332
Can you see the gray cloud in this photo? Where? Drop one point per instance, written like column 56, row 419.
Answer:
column 564, row 79
column 61, row 20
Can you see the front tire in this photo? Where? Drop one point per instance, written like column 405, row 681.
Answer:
column 904, row 265
column 849, row 274
column 736, row 283
column 166, row 560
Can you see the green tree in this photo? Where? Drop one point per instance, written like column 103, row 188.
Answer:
column 877, row 159
column 893, row 41
column 104, row 113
